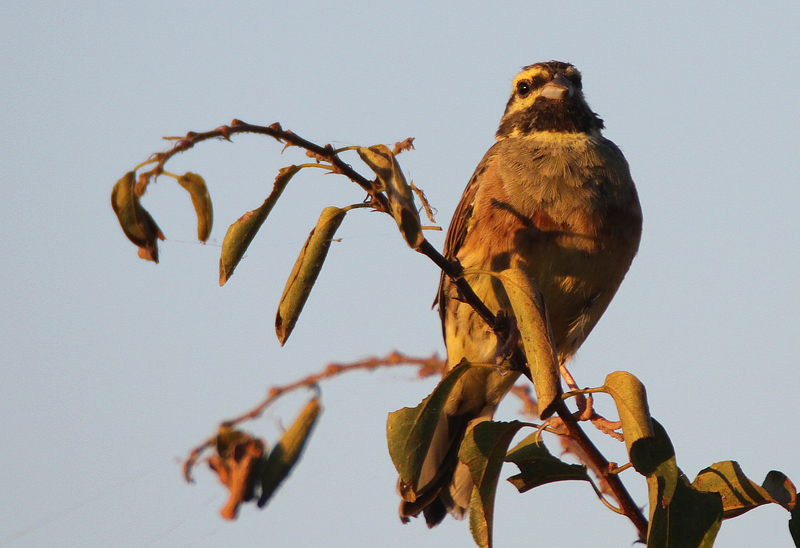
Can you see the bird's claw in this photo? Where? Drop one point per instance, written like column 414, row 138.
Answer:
column 507, row 340
column 586, row 412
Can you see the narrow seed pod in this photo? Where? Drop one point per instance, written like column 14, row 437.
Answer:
column 401, row 198
column 242, row 232
column 136, row 222
column 201, row 200
column 288, row 450
column 537, row 337
column 305, row 271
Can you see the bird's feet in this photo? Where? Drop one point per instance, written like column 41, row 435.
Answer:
column 586, row 412
column 507, row 340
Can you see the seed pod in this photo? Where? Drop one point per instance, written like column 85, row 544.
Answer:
column 288, row 450
column 242, row 232
column 201, row 200
column 305, row 271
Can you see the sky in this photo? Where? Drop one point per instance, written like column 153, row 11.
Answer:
column 114, row 368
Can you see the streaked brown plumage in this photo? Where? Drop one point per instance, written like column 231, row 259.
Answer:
column 556, row 198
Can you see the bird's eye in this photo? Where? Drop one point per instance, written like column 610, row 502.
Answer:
column 523, row 88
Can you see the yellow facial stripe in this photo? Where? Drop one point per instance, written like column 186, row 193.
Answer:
column 530, row 73
column 523, row 103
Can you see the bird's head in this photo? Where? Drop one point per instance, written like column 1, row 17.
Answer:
column 548, row 97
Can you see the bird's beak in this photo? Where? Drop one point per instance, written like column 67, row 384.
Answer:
column 558, row 88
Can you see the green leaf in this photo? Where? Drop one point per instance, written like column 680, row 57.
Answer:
column 680, row 515
column 409, row 432
column 201, row 200
column 306, row 270
column 136, row 222
column 631, row 399
column 739, row 494
column 655, row 457
column 242, row 232
column 538, row 466
column 537, row 337
column 781, row 489
column 483, row 450
column 401, row 198
column 691, row 520
column 288, row 450
column 481, row 530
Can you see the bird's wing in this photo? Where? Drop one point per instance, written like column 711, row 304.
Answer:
column 460, row 225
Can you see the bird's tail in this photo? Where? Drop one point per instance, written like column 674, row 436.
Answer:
column 445, row 483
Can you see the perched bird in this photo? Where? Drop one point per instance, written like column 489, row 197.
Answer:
column 554, row 197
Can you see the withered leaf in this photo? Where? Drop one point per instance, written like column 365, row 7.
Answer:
column 401, row 198
column 631, row 399
column 201, row 200
column 136, row 222
column 237, row 465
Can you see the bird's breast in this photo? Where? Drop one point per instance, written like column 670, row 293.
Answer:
column 572, row 224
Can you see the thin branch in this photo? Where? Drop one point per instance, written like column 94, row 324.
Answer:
column 427, row 367
column 326, row 153
column 603, row 468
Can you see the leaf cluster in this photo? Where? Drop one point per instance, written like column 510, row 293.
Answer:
column 248, row 470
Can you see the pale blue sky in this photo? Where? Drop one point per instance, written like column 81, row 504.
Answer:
column 113, row 368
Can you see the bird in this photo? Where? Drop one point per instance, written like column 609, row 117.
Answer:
column 555, row 198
